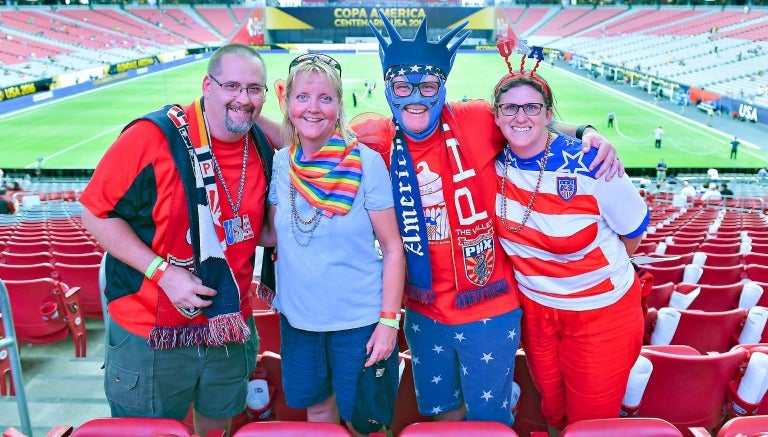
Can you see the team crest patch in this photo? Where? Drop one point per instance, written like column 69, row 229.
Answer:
column 478, row 257
column 566, row 187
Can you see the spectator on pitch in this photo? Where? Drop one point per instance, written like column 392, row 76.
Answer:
column 657, row 136
column 611, row 117
column 734, row 147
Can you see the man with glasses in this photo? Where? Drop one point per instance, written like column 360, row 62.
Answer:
column 462, row 320
column 178, row 202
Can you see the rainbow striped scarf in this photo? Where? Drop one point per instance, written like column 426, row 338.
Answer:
column 330, row 179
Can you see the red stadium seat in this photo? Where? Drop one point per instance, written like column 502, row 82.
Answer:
column 681, row 248
column 723, row 259
column 660, row 294
column 406, row 410
column 713, row 297
column 268, row 327
column 291, row 429
column 25, row 258
column 271, row 363
column 721, row 275
column 86, row 278
column 16, row 247
column 626, row 426
column 529, row 418
column 755, row 258
column 77, row 247
column 131, row 427
column 662, row 275
column 744, row 426
column 720, row 248
column 27, row 271
column 445, row 429
column 76, row 258
column 46, row 311
column 755, row 272
column 704, row 331
column 676, row 391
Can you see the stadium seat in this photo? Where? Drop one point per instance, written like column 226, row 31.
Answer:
column 673, row 261
column 529, row 418
column 646, row 247
column 723, row 259
column 270, row 361
column 131, row 427
column 676, row 392
column 25, row 258
column 744, row 426
column 291, row 429
column 755, row 258
column 660, row 294
column 77, row 247
column 720, row 248
column 625, row 426
column 704, row 331
column 85, row 277
column 268, row 327
column 756, row 272
column 713, row 297
column 756, row 247
column 6, row 379
column 444, row 429
column 16, row 247
column 27, row 271
column 662, row 275
column 76, row 258
column 678, row 248
column 712, row 275
column 406, row 409
column 46, row 311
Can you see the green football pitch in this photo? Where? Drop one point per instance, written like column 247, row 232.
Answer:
column 74, row 132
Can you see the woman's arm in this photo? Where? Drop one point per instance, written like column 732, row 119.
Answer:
column 384, row 338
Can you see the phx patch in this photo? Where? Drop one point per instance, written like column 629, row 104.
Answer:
column 478, row 257
column 566, row 187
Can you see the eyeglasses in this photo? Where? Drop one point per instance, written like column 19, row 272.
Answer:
column 405, row 89
column 314, row 57
column 233, row 89
column 510, row 109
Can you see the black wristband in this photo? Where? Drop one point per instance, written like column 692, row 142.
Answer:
column 580, row 130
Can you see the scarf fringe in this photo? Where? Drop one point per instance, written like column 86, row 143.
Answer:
column 178, row 336
column 418, row 294
column 265, row 293
column 227, row 328
column 485, row 293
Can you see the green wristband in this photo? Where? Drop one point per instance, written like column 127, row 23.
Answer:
column 153, row 266
column 392, row 323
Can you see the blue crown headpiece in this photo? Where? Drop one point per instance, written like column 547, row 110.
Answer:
column 417, row 51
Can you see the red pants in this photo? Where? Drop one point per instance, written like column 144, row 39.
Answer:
column 580, row 360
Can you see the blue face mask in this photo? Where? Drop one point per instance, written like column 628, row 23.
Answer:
column 434, row 105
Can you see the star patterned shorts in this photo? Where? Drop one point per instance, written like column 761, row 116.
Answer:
column 471, row 363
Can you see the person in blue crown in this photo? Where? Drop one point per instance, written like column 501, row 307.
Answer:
column 462, row 318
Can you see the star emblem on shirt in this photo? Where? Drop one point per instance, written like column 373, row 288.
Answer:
column 485, row 321
column 415, row 327
column 436, row 379
column 573, row 163
column 437, row 349
column 464, row 370
column 487, row 357
column 415, row 360
column 487, row 395
column 459, row 336
column 504, row 404
column 512, row 334
column 436, row 410
column 456, row 394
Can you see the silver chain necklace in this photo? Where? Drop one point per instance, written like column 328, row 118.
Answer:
column 297, row 221
column 535, row 193
column 235, row 207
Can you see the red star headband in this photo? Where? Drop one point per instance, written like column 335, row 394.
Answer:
column 506, row 48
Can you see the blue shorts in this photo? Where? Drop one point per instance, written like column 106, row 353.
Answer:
column 316, row 365
column 471, row 363
column 143, row 382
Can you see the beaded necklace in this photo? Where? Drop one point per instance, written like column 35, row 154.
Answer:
column 297, row 221
column 535, row 193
